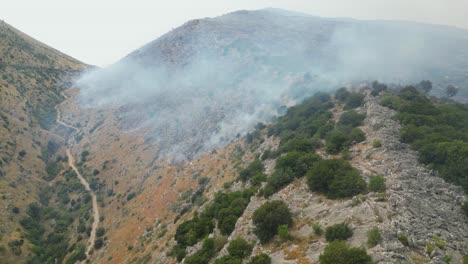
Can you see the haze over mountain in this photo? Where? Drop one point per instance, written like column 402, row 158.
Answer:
column 200, row 85
column 371, row 173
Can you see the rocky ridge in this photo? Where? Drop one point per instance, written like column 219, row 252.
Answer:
column 418, row 206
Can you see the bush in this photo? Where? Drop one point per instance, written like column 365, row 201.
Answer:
column 317, row 229
column 465, row 208
column 203, row 255
column 335, row 178
column 351, row 118
column 288, row 167
column 190, row 232
column 98, row 243
column 228, row 259
column 260, row 259
column 337, row 140
column 338, row 252
column 376, row 143
column 438, row 131
column 254, row 168
column 377, row 88
column 77, row 255
column 15, row 210
column 268, row 217
column 354, row 100
column 356, row 136
column 342, row 94
column 130, row 196
column 100, row 231
column 239, row 248
column 377, row 183
column 283, row 233
column 22, row 153
column 338, row 232
column 374, row 237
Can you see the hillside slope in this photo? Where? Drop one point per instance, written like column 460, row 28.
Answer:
column 231, row 71
column 32, row 77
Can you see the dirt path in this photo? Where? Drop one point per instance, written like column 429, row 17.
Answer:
column 84, row 182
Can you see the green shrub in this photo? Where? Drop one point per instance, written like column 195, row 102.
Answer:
column 203, row 255
column 374, row 237
column 376, row 143
column 377, row 183
column 100, row 231
column 342, row 94
column 77, row 255
column 268, row 217
column 317, row 229
column 130, row 196
column 377, row 88
column 465, row 208
column 356, row 136
column 354, row 100
column 403, row 239
column 465, row 259
column 338, row 232
column 228, row 259
column 439, row 242
column 239, row 248
column 338, row 252
column 260, row 259
column 254, row 168
column 179, row 252
column 351, row 118
column 438, row 131
column 98, row 243
column 337, row 140
column 190, row 232
column 335, row 178
column 283, row 232
column 288, row 167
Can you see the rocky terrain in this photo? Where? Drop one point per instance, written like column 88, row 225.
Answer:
column 149, row 158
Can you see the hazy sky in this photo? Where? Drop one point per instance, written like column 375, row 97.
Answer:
column 100, row 32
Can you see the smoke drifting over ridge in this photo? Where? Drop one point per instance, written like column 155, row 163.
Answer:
column 202, row 84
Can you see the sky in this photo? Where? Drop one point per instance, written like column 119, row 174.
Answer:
column 100, row 32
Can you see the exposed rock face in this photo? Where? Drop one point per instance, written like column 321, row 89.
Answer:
column 423, row 205
column 418, row 205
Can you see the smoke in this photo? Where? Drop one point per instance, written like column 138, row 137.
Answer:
column 211, row 80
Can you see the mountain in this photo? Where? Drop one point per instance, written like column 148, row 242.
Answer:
column 202, row 84
column 33, row 76
column 224, row 141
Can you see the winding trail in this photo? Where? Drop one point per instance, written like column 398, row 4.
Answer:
column 84, row 182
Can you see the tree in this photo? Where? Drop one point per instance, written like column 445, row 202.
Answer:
column 98, row 243
column 239, row 248
column 338, row 232
column 351, row 118
column 426, row 86
column 100, row 231
column 268, row 217
column 338, row 252
column 451, row 90
column 260, row 259
column 341, row 94
column 335, row 178
column 354, row 100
